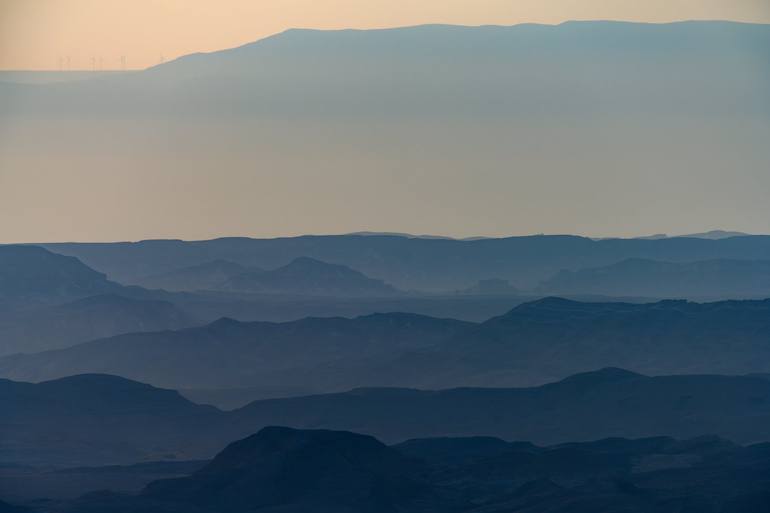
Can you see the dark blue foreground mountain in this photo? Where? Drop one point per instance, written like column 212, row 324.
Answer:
column 281, row 469
column 297, row 471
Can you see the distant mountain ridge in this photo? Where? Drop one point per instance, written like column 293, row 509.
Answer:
column 711, row 234
column 347, row 54
column 557, row 337
column 308, row 276
column 90, row 318
column 534, row 343
column 318, row 352
column 205, row 276
column 412, row 263
column 50, row 301
column 715, row 234
column 302, row 276
column 34, row 274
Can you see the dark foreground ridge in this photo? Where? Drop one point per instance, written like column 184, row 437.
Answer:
column 288, row 470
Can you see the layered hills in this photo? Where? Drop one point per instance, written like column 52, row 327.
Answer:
column 99, row 419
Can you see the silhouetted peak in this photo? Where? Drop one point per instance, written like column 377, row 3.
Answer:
column 607, row 374
column 306, row 260
column 22, row 250
column 306, row 275
column 546, row 304
column 96, row 380
column 271, row 440
column 302, row 458
column 405, row 318
column 716, row 234
column 32, row 271
column 550, row 302
column 319, row 469
column 225, row 323
column 85, row 391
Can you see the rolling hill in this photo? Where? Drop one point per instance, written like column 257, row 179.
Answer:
column 100, row 420
column 536, row 342
column 309, row 355
column 90, row 318
column 97, row 419
column 35, row 275
column 299, row 471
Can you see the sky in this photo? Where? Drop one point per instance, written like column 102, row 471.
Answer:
column 622, row 173
column 105, row 34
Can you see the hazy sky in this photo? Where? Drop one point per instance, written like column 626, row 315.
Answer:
column 41, row 34
column 638, row 151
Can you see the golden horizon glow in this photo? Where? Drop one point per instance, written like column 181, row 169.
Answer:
column 100, row 34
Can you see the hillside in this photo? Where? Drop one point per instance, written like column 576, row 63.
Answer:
column 593, row 405
column 298, row 471
column 551, row 338
column 534, row 343
column 205, row 276
column 36, row 275
column 68, row 324
column 99, row 420
column 310, row 277
column 413, row 263
column 305, row 356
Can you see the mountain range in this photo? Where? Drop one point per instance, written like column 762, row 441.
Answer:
column 298, row 471
column 101, row 419
column 50, row 301
column 734, row 267
column 380, row 371
column 309, row 355
column 302, row 276
column 534, row 343
column 413, row 263
column 32, row 274
column 63, row 325
column 412, row 55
